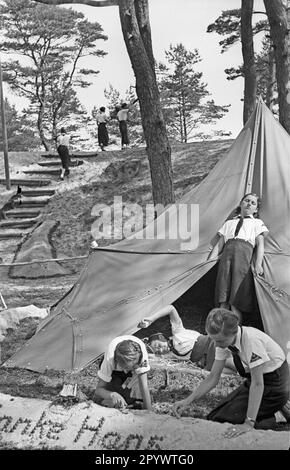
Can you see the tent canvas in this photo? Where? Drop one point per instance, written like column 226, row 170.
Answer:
column 125, row 282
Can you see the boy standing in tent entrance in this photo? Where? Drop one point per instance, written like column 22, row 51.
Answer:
column 123, row 375
column 183, row 344
column 237, row 239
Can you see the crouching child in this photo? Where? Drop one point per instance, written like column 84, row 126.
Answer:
column 123, row 375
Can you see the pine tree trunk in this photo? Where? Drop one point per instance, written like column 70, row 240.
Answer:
column 134, row 16
column 270, row 98
column 250, row 88
column 40, row 127
column 279, row 20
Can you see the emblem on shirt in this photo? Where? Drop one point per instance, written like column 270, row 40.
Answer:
column 144, row 363
column 255, row 357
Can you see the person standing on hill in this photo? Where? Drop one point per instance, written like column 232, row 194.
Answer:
column 122, row 117
column 63, row 152
column 103, row 136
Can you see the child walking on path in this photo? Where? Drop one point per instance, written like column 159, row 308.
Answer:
column 237, row 239
column 259, row 359
column 103, row 136
column 123, row 375
column 122, row 117
column 63, row 152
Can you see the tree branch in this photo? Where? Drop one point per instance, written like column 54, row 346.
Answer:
column 92, row 3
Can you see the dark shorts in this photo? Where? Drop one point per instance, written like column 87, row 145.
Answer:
column 234, row 283
column 124, row 132
column 64, row 156
column 233, row 408
column 103, row 137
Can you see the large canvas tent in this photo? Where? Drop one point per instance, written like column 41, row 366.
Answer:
column 127, row 281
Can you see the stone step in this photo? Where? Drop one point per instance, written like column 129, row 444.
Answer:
column 27, row 182
column 57, row 163
column 8, row 234
column 37, row 192
column 30, row 202
column 51, row 171
column 25, row 223
column 22, row 213
column 73, row 155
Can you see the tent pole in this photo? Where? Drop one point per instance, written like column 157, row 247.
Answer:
column 249, row 181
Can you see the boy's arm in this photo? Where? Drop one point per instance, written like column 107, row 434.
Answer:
column 143, row 384
column 217, row 245
column 167, row 310
column 259, row 254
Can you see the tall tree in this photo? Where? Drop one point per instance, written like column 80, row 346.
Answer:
column 135, row 24
column 183, row 93
column 236, row 25
column 47, row 45
column 278, row 16
column 250, row 83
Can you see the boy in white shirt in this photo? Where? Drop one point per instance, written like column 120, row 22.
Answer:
column 123, row 374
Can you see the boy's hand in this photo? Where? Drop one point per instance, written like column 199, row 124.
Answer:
column 118, row 400
column 144, row 323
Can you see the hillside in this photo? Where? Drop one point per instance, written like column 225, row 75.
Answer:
column 97, row 181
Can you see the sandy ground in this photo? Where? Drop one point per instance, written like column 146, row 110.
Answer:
column 30, row 423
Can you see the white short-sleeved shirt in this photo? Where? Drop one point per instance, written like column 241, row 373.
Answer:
column 256, row 348
column 101, row 118
column 63, row 139
column 122, row 115
column 108, row 364
column 183, row 340
column 250, row 229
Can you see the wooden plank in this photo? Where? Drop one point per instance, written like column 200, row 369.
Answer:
column 51, row 171
column 17, row 223
column 27, row 182
column 37, row 192
column 57, row 163
column 22, row 213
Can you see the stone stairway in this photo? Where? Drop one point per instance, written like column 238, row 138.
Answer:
column 56, row 163
column 53, row 168
column 27, row 182
column 22, row 212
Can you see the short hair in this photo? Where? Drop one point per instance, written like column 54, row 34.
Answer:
column 62, row 130
column 102, row 108
column 155, row 336
column 238, row 209
column 127, row 351
column 221, row 320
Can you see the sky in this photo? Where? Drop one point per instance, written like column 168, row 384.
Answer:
column 172, row 22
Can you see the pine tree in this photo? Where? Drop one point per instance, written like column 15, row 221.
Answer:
column 184, row 96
